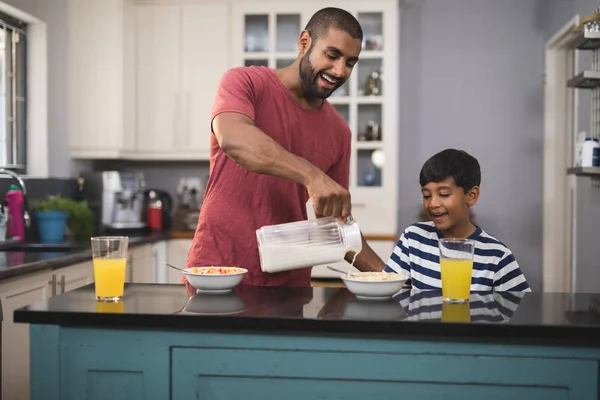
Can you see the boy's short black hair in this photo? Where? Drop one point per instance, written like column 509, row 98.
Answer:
column 331, row 17
column 458, row 164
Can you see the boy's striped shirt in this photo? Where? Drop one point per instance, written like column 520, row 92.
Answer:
column 417, row 255
column 422, row 305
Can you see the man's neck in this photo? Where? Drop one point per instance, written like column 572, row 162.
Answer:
column 290, row 78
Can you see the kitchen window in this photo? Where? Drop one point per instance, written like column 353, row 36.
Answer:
column 13, row 105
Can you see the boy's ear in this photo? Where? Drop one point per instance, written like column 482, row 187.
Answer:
column 473, row 196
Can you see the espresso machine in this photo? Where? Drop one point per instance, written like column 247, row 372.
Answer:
column 116, row 198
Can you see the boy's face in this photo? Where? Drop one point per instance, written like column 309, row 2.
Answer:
column 448, row 205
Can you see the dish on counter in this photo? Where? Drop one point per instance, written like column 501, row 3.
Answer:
column 213, row 279
column 205, row 304
column 215, row 270
column 385, row 310
column 374, row 285
column 375, row 276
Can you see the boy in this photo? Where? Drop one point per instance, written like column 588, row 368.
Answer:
column 450, row 187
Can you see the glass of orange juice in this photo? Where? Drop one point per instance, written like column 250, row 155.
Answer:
column 456, row 312
column 110, row 258
column 456, row 269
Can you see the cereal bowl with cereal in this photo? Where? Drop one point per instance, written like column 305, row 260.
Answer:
column 374, row 285
column 214, row 279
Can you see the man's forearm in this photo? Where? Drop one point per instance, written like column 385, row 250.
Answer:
column 367, row 260
column 259, row 153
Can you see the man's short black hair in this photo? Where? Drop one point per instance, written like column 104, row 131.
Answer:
column 458, row 164
column 325, row 19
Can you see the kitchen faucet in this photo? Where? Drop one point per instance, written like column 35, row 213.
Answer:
column 19, row 180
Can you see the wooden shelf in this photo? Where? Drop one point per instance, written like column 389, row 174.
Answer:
column 339, row 100
column 585, row 80
column 371, row 54
column 369, row 100
column 586, row 41
column 584, row 171
column 369, row 145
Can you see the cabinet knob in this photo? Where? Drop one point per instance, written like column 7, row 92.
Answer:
column 62, row 283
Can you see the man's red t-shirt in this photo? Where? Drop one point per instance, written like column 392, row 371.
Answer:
column 237, row 202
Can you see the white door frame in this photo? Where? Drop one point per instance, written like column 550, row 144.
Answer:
column 560, row 125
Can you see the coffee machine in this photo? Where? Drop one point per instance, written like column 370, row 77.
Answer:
column 116, row 198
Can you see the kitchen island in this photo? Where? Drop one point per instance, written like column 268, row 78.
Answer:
column 164, row 341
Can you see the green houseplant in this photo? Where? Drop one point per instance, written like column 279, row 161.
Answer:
column 55, row 214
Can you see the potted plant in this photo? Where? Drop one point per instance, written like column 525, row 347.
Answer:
column 56, row 213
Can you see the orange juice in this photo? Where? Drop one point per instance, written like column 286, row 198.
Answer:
column 109, row 277
column 456, row 278
column 116, row 307
column 456, row 312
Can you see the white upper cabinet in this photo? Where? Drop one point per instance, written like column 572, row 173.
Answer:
column 159, row 100
column 206, row 56
column 143, row 77
column 182, row 53
column 101, row 78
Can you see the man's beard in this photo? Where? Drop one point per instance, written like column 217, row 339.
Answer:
column 310, row 79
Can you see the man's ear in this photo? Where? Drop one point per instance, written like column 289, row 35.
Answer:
column 473, row 196
column 304, row 42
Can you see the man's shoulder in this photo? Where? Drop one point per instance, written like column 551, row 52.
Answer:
column 255, row 74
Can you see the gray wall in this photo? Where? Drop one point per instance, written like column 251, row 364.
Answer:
column 471, row 78
column 587, row 277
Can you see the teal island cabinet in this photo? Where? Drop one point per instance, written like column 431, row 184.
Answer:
column 164, row 342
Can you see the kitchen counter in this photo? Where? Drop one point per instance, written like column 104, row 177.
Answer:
column 518, row 317
column 301, row 343
column 18, row 260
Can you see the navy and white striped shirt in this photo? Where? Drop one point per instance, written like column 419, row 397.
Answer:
column 421, row 305
column 417, row 255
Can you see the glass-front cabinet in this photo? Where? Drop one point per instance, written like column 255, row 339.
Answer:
column 266, row 33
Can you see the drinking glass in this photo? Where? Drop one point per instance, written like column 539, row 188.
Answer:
column 456, row 269
column 109, row 255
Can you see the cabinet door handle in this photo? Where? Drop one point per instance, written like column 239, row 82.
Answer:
column 187, row 119
column 62, row 283
column 177, row 120
column 53, row 284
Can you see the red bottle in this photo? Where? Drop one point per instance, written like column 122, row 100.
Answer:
column 155, row 211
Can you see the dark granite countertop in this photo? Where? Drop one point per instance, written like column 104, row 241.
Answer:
column 534, row 318
column 18, row 260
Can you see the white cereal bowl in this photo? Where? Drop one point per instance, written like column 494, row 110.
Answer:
column 207, row 304
column 385, row 310
column 373, row 290
column 214, row 283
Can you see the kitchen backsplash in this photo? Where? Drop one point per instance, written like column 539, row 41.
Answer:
column 162, row 175
column 38, row 188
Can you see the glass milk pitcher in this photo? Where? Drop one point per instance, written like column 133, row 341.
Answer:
column 304, row 244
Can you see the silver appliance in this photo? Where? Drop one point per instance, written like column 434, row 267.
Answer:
column 116, row 198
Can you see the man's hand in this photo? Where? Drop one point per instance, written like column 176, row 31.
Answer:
column 329, row 198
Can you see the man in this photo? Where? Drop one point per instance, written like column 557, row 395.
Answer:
column 276, row 142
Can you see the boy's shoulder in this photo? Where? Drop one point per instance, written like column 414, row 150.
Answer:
column 488, row 241
column 427, row 230
column 422, row 228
